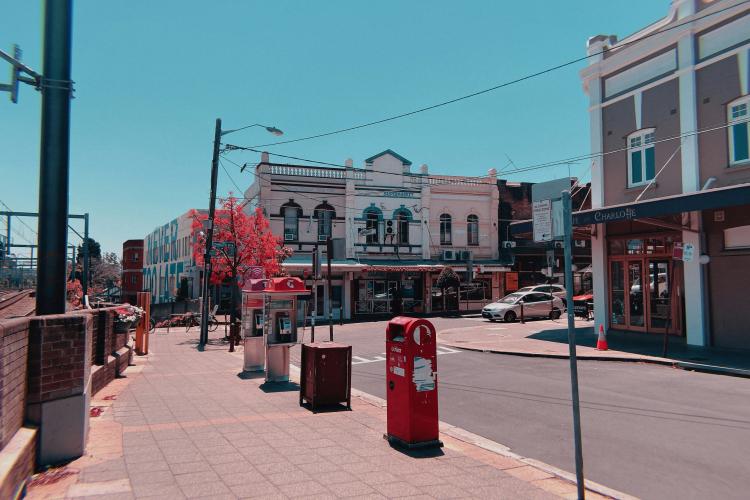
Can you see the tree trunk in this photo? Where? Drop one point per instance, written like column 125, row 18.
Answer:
column 233, row 327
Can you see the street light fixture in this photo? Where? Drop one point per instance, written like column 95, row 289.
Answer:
column 203, row 340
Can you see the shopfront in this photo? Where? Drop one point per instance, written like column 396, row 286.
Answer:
column 388, row 293
column 645, row 283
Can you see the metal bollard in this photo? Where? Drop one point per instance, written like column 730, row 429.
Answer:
column 522, row 318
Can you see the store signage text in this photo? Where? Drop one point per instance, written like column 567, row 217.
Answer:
column 398, row 194
column 621, row 214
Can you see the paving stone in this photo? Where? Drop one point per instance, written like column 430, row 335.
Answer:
column 352, row 489
column 303, row 488
column 188, row 467
column 198, row 490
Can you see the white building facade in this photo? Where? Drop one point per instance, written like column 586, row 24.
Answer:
column 397, row 230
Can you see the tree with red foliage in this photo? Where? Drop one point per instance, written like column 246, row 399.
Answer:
column 240, row 241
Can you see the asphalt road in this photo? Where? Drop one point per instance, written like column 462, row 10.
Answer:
column 648, row 430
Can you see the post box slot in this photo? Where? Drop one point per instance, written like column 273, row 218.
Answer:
column 395, row 333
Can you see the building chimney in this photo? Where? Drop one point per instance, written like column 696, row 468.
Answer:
column 423, row 169
column 264, row 157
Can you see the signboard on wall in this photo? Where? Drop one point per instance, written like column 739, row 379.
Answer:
column 511, row 282
column 542, row 219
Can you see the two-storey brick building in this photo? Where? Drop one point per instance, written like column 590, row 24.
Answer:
column 399, row 228
column 132, row 270
column 669, row 107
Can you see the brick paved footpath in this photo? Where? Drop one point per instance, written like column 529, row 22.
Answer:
column 183, row 424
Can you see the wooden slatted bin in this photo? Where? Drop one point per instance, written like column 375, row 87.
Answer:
column 326, row 374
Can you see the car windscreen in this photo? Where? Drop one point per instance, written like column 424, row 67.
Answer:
column 510, row 299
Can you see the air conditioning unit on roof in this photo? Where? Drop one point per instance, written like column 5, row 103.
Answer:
column 464, row 255
column 449, row 255
column 289, row 237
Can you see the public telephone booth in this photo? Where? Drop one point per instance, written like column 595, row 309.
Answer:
column 252, row 326
column 269, row 322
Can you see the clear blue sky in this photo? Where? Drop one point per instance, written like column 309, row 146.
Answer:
column 152, row 76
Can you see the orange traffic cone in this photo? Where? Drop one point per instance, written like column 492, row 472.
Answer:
column 601, row 342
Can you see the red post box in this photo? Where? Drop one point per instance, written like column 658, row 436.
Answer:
column 411, row 378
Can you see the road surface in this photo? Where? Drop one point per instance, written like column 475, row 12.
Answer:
column 648, row 430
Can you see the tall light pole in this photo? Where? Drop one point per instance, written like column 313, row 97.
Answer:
column 54, row 162
column 207, row 269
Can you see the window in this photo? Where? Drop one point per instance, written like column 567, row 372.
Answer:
column 739, row 135
column 291, row 212
column 132, row 279
column 325, row 214
column 372, row 224
column 472, row 230
column 737, row 238
column 402, row 216
column 445, row 230
column 641, row 164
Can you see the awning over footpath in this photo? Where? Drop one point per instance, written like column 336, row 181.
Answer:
column 723, row 197
column 375, row 265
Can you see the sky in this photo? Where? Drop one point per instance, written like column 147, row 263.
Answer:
column 153, row 76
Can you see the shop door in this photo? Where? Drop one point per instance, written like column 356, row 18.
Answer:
column 636, row 306
column 661, row 297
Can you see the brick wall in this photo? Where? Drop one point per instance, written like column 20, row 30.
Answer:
column 59, row 356
column 14, row 338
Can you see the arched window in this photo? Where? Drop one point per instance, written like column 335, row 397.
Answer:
column 472, row 230
column 325, row 214
column 641, row 163
column 291, row 212
column 739, row 131
column 402, row 216
column 446, row 237
column 373, row 215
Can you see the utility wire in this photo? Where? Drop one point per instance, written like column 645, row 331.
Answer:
column 502, row 85
column 538, row 166
column 20, row 219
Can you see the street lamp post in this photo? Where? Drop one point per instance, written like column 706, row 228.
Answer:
column 207, row 269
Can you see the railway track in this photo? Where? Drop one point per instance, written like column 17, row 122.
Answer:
column 17, row 303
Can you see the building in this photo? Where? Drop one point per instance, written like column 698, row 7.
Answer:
column 397, row 228
column 168, row 261
column 535, row 263
column 132, row 270
column 669, row 107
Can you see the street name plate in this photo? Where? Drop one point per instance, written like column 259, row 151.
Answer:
column 542, row 219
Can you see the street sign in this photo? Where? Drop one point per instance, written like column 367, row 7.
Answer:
column 547, row 214
column 688, row 250
column 542, row 219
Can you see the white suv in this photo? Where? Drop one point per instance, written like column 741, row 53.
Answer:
column 556, row 290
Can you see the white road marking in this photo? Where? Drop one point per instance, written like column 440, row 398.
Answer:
column 359, row 360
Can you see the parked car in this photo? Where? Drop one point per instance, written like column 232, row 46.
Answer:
column 535, row 305
column 556, row 290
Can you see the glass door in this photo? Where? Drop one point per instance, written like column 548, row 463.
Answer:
column 660, row 295
column 617, row 297
column 636, row 316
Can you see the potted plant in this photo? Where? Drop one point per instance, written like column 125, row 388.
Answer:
column 126, row 316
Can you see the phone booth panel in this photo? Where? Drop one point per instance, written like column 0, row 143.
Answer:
column 280, row 326
column 252, row 326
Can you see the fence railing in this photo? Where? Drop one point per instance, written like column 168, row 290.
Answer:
column 321, row 172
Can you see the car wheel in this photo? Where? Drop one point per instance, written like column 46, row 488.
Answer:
column 555, row 314
column 510, row 317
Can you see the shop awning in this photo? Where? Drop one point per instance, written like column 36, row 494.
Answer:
column 711, row 199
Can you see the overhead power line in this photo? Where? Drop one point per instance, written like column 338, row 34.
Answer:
column 501, row 85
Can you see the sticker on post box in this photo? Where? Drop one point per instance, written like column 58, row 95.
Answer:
column 398, row 363
column 423, row 377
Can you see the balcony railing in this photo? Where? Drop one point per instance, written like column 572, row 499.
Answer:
column 320, row 172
